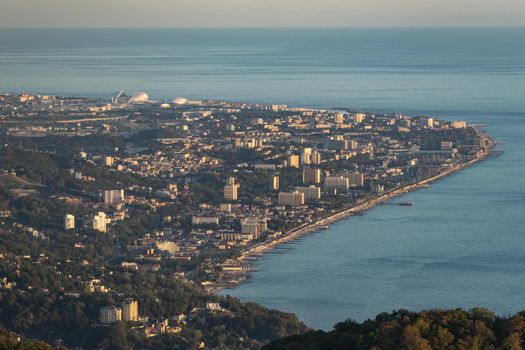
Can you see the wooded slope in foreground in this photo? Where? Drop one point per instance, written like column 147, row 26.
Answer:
column 435, row 329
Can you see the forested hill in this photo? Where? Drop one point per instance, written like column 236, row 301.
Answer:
column 9, row 341
column 426, row 330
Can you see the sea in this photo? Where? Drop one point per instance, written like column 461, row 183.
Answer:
column 462, row 243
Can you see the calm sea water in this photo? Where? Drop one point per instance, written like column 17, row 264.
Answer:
column 463, row 242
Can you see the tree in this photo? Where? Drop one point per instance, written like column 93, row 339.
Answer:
column 412, row 340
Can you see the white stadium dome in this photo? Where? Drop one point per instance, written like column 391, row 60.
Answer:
column 179, row 101
column 139, row 97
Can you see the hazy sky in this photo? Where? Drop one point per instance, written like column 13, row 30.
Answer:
column 243, row 13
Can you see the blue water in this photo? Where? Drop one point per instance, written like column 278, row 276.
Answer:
column 463, row 242
column 461, row 245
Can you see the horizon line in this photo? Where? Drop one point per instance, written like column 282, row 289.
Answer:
column 272, row 27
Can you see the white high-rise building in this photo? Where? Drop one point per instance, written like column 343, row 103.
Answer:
column 69, row 222
column 351, row 144
column 336, row 183
column 377, row 188
column 459, row 124
column 292, row 199
column 112, row 197
column 359, row 117
column 312, row 176
column 108, row 161
column 316, row 157
column 254, row 226
column 231, row 189
column 275, row 182
column 306, row 156
column 110, row 314
column 293, row 161
column 130, row 310
column 311, row 193
column 339, row 118
column 99, row 222
column 356, row 179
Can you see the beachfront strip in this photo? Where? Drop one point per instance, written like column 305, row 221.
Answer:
column 195, row 188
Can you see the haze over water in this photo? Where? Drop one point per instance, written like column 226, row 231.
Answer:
column 463, row 242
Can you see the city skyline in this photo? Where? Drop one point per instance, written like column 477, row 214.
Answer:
column 260, row 13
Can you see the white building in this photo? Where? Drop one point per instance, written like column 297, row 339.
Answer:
column 213, row 306
column 351, row 145
column 205, row 220
column 377, row 188
column 311, row 193
column 356, row 179
column 225, row 207
column 278, row 108
column 138, row 98
column 446, row 145
column 293, row 199
column 359, row 117
column 254, row 226
column 99, row 222
column 231, row 189
column 130, row 310
column 108, row 161
column 275, row 183
column 336, row 183
column 459, row 124
column 312, row 176
column 316, row 157
column 110, row 314
column 293, row 161
column 306, row 156
column 69, row 222
column 112, row 197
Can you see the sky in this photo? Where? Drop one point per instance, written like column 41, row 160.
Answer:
column 260, row 13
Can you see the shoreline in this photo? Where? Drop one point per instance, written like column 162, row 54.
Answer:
column 348, row 212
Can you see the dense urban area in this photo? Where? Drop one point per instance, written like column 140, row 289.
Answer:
column 121, row 217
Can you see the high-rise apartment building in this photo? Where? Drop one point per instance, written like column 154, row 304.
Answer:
column 316, row 157
column 108, row 161
column 130, row 310
column 355, row 179
column 293, row 161
column 311, row 193
column 336, row 183
column 351, row 144
column 292, row 199
column 110, row 314
column 312, row 176
column 254, row 226
column 113, row 197
column 69, row 222
column 359, row 117
column 306, row 156
column 275, row 182
column 99, row 222
column 231, row 189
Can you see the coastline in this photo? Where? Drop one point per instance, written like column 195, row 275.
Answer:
column 340, row 215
